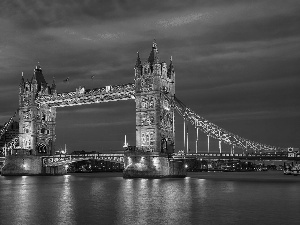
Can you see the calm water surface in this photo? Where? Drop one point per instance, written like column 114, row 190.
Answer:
column 107, row 198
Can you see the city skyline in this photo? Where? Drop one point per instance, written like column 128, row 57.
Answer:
column 235, row 63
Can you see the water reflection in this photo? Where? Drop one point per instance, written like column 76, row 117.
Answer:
column 227, row 187
column 65, row 214
column 107, row 199
column 22, row 200
column 141, row 200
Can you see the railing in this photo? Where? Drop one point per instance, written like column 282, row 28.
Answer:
column 57, row 160
column 7, row 124
column 240, row 155
column 88, row 96
column 216, row 132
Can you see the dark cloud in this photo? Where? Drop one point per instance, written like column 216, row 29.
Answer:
column 236, row 62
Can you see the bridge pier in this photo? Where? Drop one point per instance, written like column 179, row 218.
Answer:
column 152, row 165
column 28, row 165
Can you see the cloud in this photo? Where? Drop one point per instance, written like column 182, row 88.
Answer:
column 182, row 20
column 101, row 124
column 234, row 60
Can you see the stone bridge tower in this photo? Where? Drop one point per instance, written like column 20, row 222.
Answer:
column 36, row 122
column 155, row 130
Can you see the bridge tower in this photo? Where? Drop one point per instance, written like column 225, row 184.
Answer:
column 36, row 121
column 155, row 130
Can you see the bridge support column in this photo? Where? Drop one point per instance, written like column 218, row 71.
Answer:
column 207, row 143
column 19, row 165
column 197, row 139
column 28, row 165
column 187, row 142
column 184, row 134
column 149, row 165
column 232, row 149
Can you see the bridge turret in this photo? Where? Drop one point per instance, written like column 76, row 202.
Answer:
column 138, row 67
column 38, row 79
column 171, row 76
column 154, row 56
column 171, row 70
column 53, row 87
column 138, row 61
column 22, row 83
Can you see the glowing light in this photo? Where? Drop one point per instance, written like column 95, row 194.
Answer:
column 186, row 166
column 166, row 108
column 125, row 143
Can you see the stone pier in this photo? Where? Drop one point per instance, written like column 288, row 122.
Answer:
column 28, row 165
column 152, row 165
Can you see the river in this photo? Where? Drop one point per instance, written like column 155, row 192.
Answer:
column 107, row 198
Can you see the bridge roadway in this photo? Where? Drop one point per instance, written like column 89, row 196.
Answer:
column 57, row 160
column 241, row 156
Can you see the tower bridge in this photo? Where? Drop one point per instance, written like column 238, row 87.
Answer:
column 154, row 93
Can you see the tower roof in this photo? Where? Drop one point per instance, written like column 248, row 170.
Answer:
column 22, row 81
column 138, row 60
column 154, row 57
column 171, row 66
column 39, row 77
column 53, row 83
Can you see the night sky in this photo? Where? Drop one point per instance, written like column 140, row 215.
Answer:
column 236, row 62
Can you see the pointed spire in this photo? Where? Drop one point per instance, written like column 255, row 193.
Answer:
column 22, row 80
column 38, row 78
column 154, row 45
column 53, row 83
column 138, row 60
column 171, row 67
column 34, row 80
column 38, row 67
column 154, row 57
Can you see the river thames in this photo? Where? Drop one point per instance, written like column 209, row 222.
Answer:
column 107, row 198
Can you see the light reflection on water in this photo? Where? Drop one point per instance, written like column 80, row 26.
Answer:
column 110, row 199
column 65, row 213
column 22, row 202
column 142, row 200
